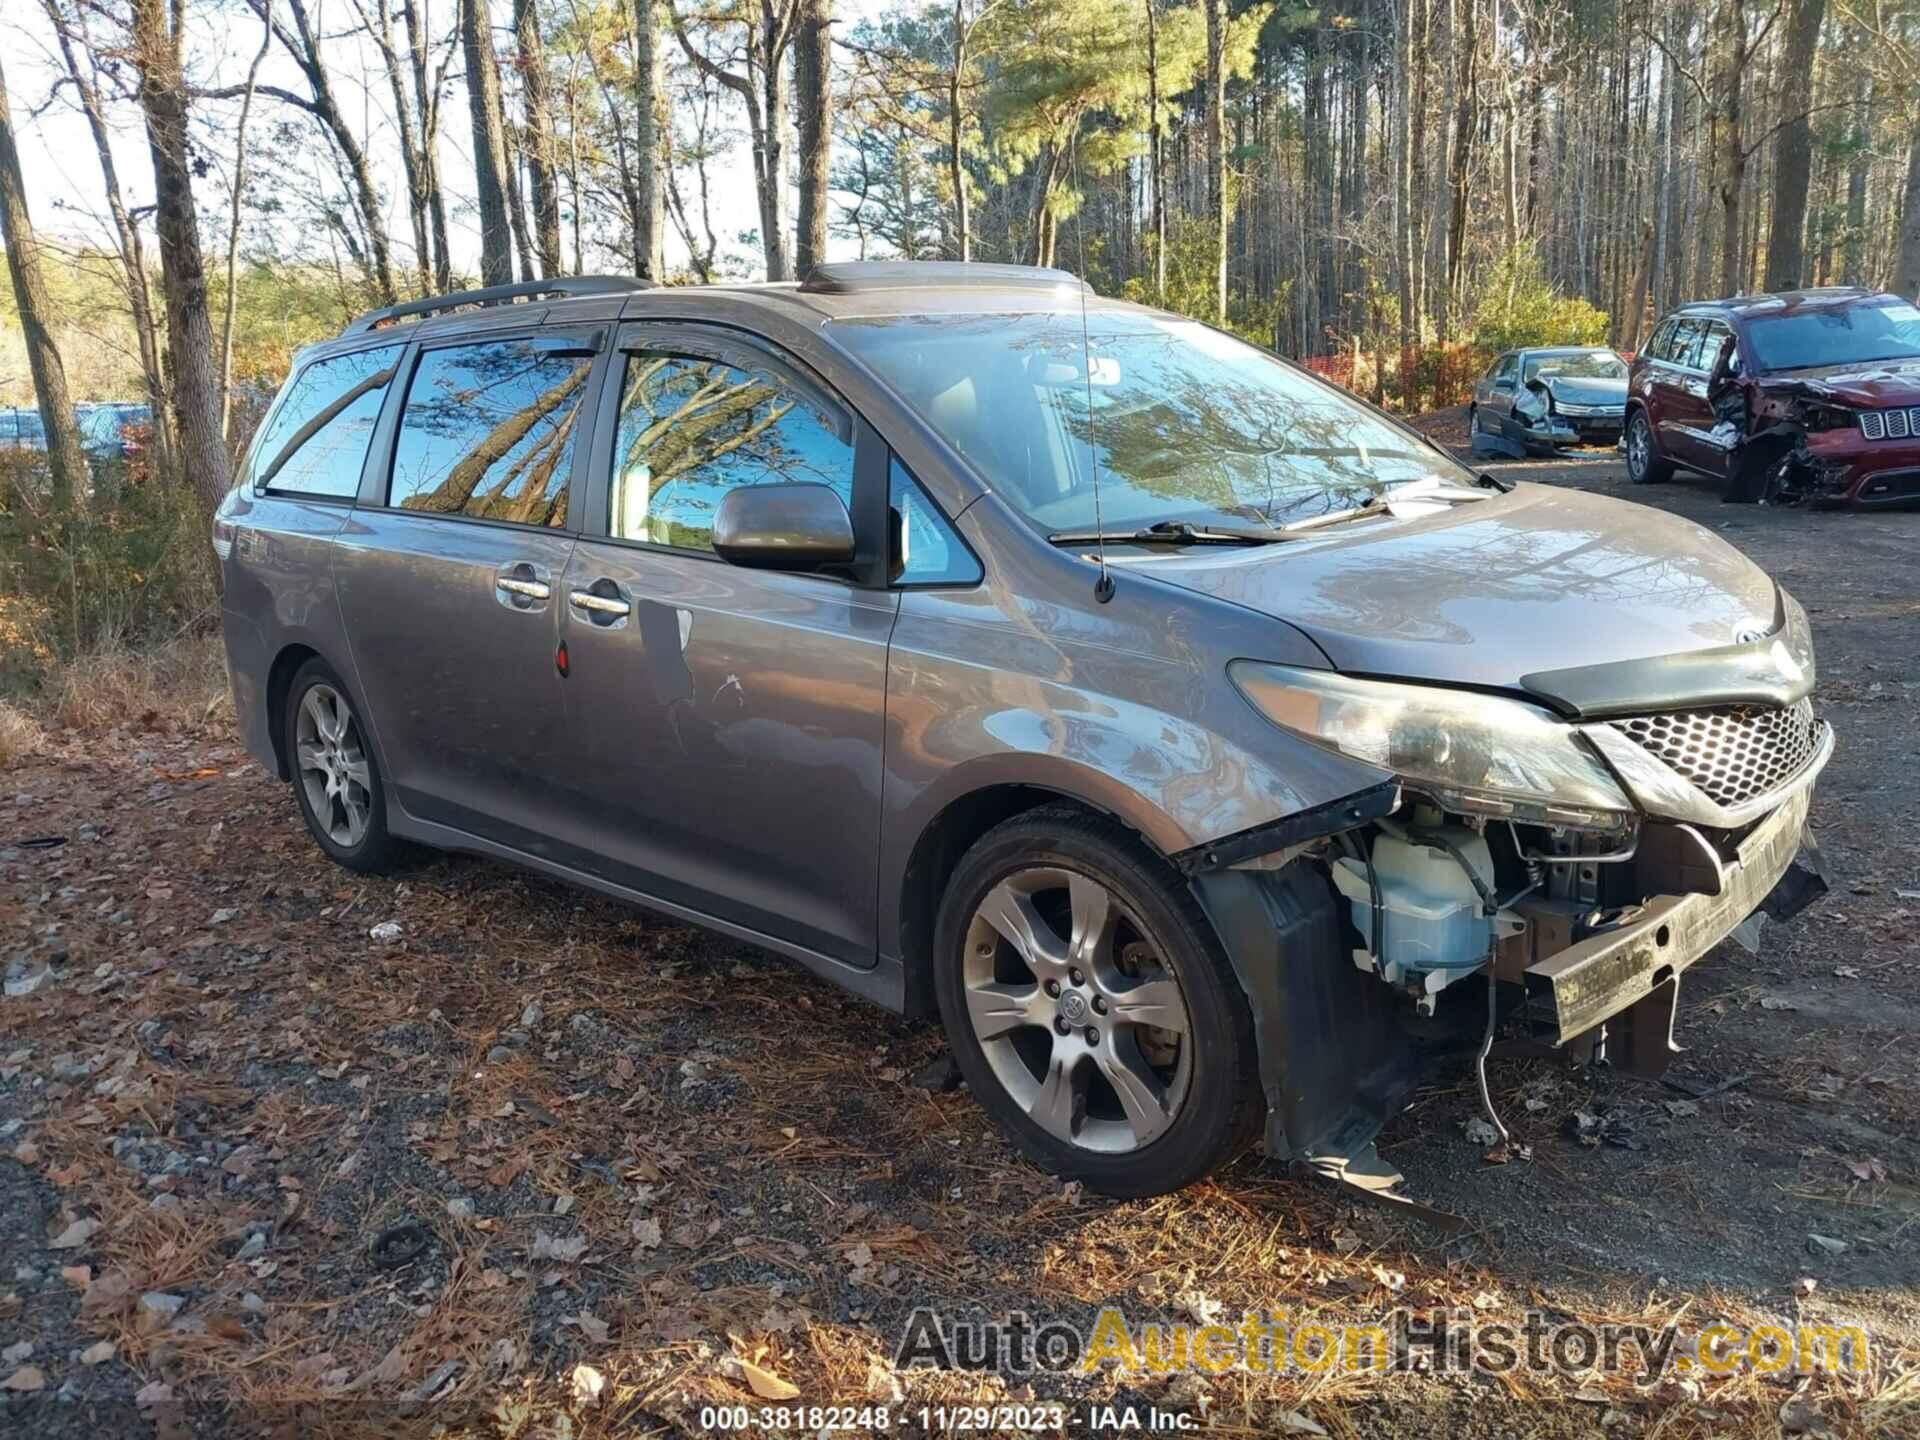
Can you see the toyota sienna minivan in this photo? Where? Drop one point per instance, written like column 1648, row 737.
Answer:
column 1206, row 749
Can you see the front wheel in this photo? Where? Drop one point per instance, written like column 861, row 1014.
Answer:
column 1091, row 1008
column 1644, row 465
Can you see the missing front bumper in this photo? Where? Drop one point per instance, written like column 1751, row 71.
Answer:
column 1597, row 978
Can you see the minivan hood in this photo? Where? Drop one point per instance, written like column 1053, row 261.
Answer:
column 1486, row 592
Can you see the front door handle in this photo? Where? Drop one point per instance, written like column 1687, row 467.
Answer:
column 599, row 604
column 521, row 586
column 602, row 602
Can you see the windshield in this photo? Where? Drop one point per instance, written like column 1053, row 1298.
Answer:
column 1577, row 365
column 1188, row 423
column 1856, row 335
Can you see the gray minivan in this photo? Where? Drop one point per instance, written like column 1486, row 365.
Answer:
column 1208, row 750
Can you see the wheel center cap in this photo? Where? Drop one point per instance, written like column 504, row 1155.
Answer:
column 1073, row 1005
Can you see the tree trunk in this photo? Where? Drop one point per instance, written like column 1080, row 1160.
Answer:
column 489, row 143
column 66, row 461
column 773, row 149
column 956, row 134
column 1906, row 278
column 1156, row 157
column 812, row 96
column 196, row 391
column 649, row 227
column 1853, row 245
column 231, row 303
column 1215, row 103
column 1465, row 118
column 1403, row 166
column 426, row 95
column 410, row 156
column 1793, row 149
column 133, row 250
column 517, row 199
column 538, row 126
column 1725, row 141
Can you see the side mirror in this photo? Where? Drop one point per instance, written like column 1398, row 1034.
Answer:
column 798, row 526
column 1503, row 384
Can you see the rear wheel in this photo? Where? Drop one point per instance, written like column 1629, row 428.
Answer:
column 1644, row 463
column 335, row 777
column 1090, row 1007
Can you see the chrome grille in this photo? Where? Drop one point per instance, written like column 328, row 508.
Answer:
column 1732, row 753
column 1890, row 424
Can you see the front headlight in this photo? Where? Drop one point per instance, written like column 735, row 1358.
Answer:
column 1477, row 753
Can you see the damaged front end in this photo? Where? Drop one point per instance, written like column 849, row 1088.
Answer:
column 1798, row 441
column 1552, row 866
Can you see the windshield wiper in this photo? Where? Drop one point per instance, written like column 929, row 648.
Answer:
column 1434, row 487
column 1170, row 532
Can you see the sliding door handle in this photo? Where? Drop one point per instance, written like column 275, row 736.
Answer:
column 599, row 604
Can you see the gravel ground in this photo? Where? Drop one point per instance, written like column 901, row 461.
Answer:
column 284, row 1150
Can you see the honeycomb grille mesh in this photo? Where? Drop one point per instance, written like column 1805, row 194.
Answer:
column 1732, row 753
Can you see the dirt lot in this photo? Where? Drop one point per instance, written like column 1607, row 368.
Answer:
column 645, row 1169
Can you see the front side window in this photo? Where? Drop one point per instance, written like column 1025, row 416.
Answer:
column 691, row 429
column 1172, row 419
column 1686, row 342
column 316, row 440
column 488, row 431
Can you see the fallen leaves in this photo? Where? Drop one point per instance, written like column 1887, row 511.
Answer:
column 589, row 1325
column 74, row 1236
column 26, row 1379
column 567, row 1250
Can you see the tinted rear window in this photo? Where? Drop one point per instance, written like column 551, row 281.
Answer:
column 488, row 431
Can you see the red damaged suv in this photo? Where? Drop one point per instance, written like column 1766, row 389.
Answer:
column 1808, row 395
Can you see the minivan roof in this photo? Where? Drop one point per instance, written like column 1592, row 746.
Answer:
column 837, row 291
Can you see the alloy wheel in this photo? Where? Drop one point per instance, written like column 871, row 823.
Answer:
column 332, row 760
column 1081, row 1021
column 1637, row 445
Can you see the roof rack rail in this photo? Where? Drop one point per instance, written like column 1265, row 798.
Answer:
column 851, row 277
column 566, row 287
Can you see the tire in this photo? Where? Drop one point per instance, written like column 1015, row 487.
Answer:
column 340, row 792
column 1188, row 1094
column 1644, row 464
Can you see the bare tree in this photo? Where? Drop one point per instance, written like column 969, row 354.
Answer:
column 812, row 96
column 649, row 225
column 1793, row 148
column 489, row 143
column 66, row 461
column 196, row 387
column 537, row 126
column 1215, row 104
column 74, row 40
column 761, row 86
column 233, row 222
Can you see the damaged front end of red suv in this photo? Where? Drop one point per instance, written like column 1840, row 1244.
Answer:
column 1820, row 403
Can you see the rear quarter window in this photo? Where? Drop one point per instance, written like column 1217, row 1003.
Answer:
column 315, row 442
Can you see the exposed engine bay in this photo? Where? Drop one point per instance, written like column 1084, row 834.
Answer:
column 1426, row 932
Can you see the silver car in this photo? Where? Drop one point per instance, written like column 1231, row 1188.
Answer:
column 1207, row 749
column 1538, row 400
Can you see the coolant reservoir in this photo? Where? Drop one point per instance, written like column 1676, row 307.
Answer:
column 1432, row 917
